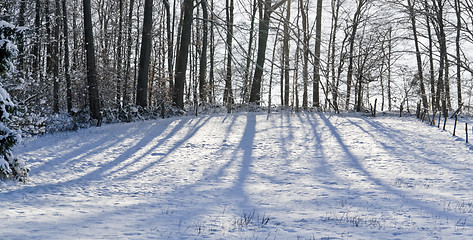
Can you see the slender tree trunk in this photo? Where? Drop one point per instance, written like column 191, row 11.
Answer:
column 203, row 56
column 273, row 59
column 142, row 83
column 128, row 53
column 182, row 56
column 318, row 41
column 305, row 70
column 21, row 44
column 354, row 27
column 440, row 31
column 458, row 52
column 447, row 83
column 37, row 44
column 137, row 48
column 246, row 82
column 94, row 100
column 55, row 57
column 228, row 93
column 420, row 75
column 286, row 53
column 170, row 41
column 119, row 60
column 66, row 57
column 255, row 95
column 335, row 5
column 212, row 57
column 431, row 62
column 295, row 82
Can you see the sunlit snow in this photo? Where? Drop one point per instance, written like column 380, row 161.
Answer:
column 245, row 176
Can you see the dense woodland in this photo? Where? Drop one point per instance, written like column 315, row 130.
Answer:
column 115, row 59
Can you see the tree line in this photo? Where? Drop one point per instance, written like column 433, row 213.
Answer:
column 111, row 57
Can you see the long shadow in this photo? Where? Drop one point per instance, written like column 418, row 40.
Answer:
column 356, row 164
column 97, row 174
column 395, row 135
column 197, row 126
column 322, row 163
column 246, row 145
column 219, row 173
column 84, row 151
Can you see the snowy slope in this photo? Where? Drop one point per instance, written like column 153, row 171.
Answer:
column 245, row 176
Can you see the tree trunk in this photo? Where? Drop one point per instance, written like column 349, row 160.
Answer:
column 128, row 53
column 94, row 100
column 255, row 95
column 431, row 63
column 203, row 56
column 355, row 22
column 228, row 93
column 66, row 58
column 212, row 57
column 305, row 71
column 440, row 31
column 37, row 44
column 318, row 41
column 170, row 41
column 246, row 83
column 142, row 82
column 335, row 5
column 118, row 67
column 286, row 53
column 21, row 44
column 420, row 75
column 458, row 52
column 272, row 69
column 55, row 57
column 182, row 56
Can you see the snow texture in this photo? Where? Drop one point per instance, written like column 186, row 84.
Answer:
column 244, row 176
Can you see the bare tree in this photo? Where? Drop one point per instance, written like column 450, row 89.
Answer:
column 66, row 57
column 228, row 92
column 420, row 74
column 94, row 100
column 286, row 55
column 318, row 41
column 255, row 95
column 142, row 87
column 203, row 56
column 182, row 56
column 360, row 6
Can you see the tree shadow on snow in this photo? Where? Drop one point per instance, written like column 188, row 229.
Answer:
column 355, row 162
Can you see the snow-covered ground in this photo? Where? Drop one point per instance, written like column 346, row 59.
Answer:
column 245, row 176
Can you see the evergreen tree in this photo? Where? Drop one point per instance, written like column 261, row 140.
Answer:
column 10, row 167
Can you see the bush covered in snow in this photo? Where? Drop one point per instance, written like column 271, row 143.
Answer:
column 10, row 166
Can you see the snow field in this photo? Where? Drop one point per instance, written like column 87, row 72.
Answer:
column 245, row 176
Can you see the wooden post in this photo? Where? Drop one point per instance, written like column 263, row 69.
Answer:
column 455, row 126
